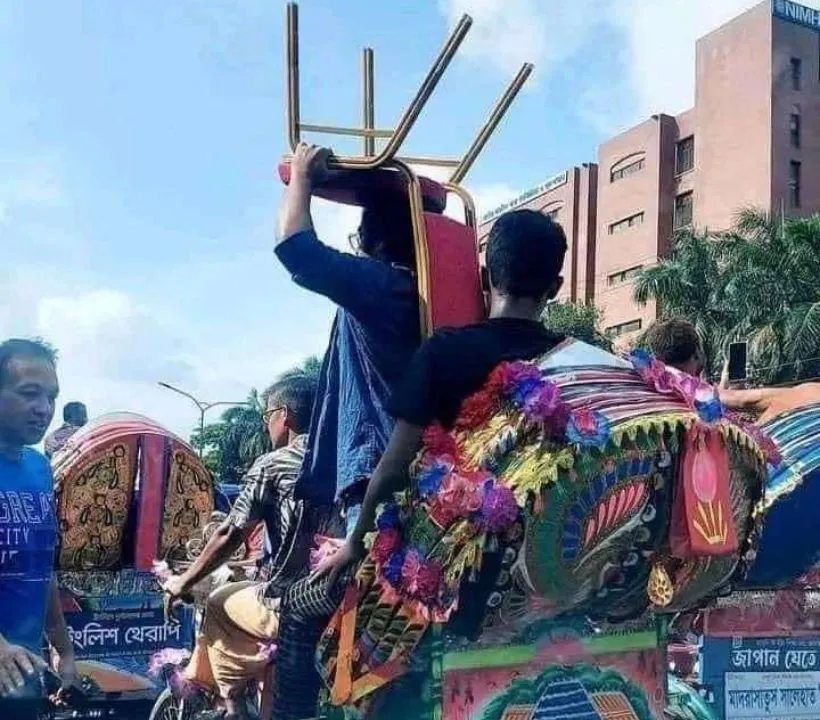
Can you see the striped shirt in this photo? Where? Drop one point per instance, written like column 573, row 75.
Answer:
column 267, row 496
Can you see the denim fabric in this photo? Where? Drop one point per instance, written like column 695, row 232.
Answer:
column 352, row 517
column 375, row 333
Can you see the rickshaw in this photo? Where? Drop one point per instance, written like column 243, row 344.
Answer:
column 761, row 645
column 605, row 535
column 625, row 495
column 128, row 492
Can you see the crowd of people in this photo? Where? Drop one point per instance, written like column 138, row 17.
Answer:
column 342, row 444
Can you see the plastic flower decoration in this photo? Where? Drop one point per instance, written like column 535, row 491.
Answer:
column 588, row 428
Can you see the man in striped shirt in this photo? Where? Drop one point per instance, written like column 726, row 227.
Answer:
column 241, row 616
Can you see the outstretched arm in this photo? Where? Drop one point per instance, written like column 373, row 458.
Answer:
column 218, row 550
column 755, row 399
column 390, row 476
column 247, row 512
column 768, row 403
column 354, row 283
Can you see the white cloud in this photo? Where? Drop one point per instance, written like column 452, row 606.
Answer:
column 660, row 38
column 113, row 351
column 634, row 57
column 35, row 184
column 489, row 197
column 508, row 33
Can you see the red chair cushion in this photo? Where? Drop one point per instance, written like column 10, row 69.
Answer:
column 454, row 295
column 354, row 187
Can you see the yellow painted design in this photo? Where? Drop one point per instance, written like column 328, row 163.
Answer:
column 710, row 523
column 660, row 588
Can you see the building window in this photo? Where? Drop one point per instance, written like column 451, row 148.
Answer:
column 553, row 214
column 685, row 155
column 683, row 211
column 794, row 184
column 796, row 73
column 624, row 275
column 794, row 129
column 626, row 223
column 627, row 170
column 624, row 328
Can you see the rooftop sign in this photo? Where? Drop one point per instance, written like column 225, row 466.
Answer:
column 524, row 198
column 799, row 14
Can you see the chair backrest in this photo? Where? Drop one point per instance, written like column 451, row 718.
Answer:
column 449, row 277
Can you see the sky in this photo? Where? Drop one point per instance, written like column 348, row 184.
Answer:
column 139, row 144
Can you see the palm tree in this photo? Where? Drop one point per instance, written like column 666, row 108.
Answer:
column 581, row 321
column 773, row 285
column 687, row 284
column 311, row 367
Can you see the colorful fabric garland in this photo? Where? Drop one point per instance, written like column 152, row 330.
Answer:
column 454, row 491
column 466, row 499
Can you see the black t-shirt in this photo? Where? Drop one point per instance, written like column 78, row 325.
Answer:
column 455, row 363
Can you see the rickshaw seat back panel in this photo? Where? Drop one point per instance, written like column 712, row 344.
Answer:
column 452, row 286
column 188, row 502
column 129, row 492
column 356, row 186
column 95, row 498
column 154, row 468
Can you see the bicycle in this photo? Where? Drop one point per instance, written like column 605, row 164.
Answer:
column 177, row 703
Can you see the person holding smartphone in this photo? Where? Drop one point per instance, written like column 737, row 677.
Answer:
column 676, row 343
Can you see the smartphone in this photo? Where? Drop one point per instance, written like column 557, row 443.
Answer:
column 737, row 361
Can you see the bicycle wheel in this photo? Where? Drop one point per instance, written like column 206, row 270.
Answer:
column 170, row 707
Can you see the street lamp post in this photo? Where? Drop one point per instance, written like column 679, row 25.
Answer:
column 203, row 408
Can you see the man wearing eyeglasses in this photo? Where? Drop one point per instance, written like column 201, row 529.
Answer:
column 241, row 616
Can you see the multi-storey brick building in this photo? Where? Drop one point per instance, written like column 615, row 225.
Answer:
column 751, row 140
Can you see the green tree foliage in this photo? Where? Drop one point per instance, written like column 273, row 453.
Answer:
column 759, row 283
column 581, row 321
column 232, row 443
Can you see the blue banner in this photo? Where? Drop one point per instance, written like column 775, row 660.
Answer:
column 796, row 13
column 126, row 632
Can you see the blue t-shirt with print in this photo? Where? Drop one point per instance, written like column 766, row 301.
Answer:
column 28, row 538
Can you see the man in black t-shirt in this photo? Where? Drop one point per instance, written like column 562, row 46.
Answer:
column 525, row 254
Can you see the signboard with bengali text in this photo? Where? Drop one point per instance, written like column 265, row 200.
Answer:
column 763, row 678
column 554, row 182
column 114, row 633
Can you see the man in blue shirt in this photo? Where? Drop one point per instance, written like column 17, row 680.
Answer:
column 29, row 600
column 374, row 335
column 375, row 332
